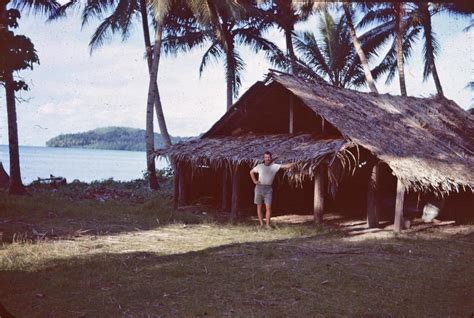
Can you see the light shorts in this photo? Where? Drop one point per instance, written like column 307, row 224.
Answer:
column 263, row 194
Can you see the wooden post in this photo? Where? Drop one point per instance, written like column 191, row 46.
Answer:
column 291, row 115
column 398, row 222
column 373, row 197
column 319, row 192
column 225, row 188
column 175, row 188
column 182, row 186
column 235, row 192
column 323, row 123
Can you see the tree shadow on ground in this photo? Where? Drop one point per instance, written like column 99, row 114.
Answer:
column 312, row 276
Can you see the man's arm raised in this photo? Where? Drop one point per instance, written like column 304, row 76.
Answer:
column 287, row 165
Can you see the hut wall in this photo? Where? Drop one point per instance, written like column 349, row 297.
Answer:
column 270, row 114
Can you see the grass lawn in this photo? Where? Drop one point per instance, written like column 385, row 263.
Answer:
column 84, row 258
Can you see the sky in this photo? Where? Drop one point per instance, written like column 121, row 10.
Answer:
column 73, row 91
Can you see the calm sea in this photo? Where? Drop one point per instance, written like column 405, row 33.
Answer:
column 82, row 164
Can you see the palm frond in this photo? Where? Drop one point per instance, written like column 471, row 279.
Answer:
column 97, row 9
column 389, row 63
column 381, row 15
column 430, row 51
column 120, row 21
column 61, row 11
column 214, row 52
column 101, row 34
column 375, row 38
column 311, row 54
column 174, row 44
column 36, row 6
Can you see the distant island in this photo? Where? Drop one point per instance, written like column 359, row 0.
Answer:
column 110, row 138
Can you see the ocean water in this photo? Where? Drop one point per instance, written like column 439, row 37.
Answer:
column 83, row 164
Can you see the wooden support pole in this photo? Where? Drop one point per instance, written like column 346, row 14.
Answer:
column 182, row 181
column 319, row 192
column 225, row 188
column 323, row 123
column 291, row 114
column 235, row 192
column 175, row 188
column 398, row 222
column 373, row 197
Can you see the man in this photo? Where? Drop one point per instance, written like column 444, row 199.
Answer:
column 263, row 186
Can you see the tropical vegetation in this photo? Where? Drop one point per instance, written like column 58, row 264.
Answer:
column 354, row 44
column 112, row 138
column 17, row 53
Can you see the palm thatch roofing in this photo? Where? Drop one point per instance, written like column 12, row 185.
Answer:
column 427, row 142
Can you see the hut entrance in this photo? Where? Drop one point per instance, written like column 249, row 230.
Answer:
column 352, row 196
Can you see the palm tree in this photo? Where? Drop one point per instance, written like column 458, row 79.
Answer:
column 206, row 10
column 16, row 53
column 124, row 13
column 399, row 12
column 224, row 38
column 333, row 56
column 360, row 52
column 421, row 16
column 285, row 14
column 120, row 21
column 394, row 23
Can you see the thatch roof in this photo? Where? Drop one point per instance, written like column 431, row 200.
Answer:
column 305, row 150
column 428, row 143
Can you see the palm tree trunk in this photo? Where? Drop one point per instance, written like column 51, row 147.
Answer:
column 427, row 29
column 157, row 102
column 16, row 186
column 363, row 59
column 150, row 144
column 230, row 68
column 290, row 50
column 399, row 46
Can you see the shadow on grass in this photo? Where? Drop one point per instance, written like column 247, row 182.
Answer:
column 50, row 215
column 309, row 276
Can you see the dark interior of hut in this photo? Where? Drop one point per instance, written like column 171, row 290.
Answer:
column 268, row 114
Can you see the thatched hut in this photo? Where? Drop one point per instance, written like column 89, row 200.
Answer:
column 348, row 146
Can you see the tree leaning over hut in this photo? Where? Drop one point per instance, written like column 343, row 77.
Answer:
column 348, row 12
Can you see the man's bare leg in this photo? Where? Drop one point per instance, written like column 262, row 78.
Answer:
column 260, row 213
column 268, row 215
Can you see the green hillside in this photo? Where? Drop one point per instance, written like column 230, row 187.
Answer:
column 112, row 138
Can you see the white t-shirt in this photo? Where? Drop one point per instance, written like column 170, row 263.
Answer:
column 266, row 174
